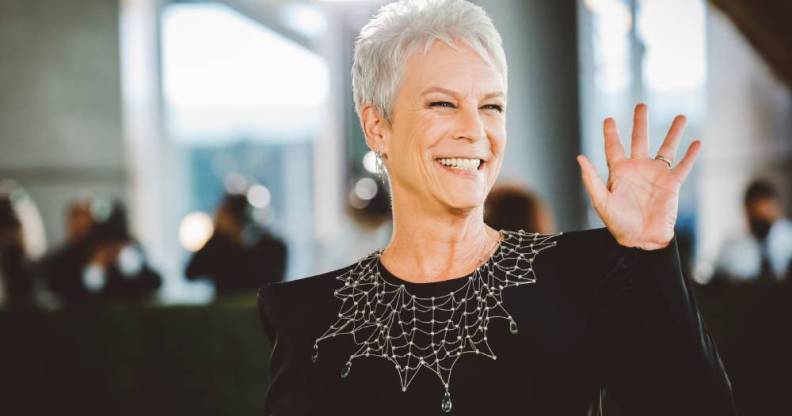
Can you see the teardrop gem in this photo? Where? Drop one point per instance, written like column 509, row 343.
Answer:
column 446, row 406
column 513, row 327
column 315, row 355
column 345, row 370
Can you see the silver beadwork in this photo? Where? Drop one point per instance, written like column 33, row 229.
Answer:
column 385, row 320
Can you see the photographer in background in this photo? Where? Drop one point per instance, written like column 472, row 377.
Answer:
column 764, row 254
column 100, row 259
column 16, row 277
column 22, row 243
column 240, row 256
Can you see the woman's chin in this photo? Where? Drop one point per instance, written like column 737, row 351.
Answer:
column 464, row 198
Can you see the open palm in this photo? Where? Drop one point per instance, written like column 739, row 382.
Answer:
column 639, row 202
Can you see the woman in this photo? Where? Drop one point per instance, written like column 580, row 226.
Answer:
column 454, row 316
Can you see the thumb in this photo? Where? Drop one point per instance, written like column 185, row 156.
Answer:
column 596, row 188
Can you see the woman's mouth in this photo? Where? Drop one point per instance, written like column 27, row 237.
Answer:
column 468, row 167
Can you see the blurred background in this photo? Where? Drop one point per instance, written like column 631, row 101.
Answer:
column 160, row 160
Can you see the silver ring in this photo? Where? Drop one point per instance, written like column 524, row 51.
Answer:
column 660, row 157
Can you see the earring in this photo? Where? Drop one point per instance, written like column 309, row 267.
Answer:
column 380, row 166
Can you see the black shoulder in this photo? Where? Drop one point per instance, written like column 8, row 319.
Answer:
column 575, row 244
column 584, row 253
column 299, row 286
column 298, row 304
column 593, row 240
column 590, row 236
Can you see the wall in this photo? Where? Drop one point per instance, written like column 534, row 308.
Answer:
column 60, row 116
column 540, row 39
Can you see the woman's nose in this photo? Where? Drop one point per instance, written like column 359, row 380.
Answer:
column 469, row 124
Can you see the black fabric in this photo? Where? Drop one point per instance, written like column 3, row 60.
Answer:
column 600, row 317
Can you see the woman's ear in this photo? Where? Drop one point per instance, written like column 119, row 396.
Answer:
column 374, row 128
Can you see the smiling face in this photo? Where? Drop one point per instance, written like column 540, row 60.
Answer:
column 445, row 143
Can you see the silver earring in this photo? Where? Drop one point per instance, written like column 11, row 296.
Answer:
column 380, row 166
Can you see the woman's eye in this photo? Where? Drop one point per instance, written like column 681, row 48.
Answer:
column 495, row 107
column 441, row 104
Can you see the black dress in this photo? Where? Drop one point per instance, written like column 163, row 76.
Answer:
column 577, row 317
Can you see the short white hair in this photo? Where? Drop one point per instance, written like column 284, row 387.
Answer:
column 399, row 28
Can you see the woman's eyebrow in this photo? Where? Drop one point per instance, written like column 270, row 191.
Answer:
column 487, row 96
column 494, row 94
column 439, row 89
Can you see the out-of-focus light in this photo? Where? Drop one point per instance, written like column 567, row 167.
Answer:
column 94, row 278
column 355, row 201
column 195, row 230
column 370, row 162
column 235, row 184
column 366, row 188
column 130, row 261
column 258, row 196
column 305, row 19
column 703, row 273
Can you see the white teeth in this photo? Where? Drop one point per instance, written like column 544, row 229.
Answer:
column 461, row 163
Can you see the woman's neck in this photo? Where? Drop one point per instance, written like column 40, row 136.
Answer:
column 429, row 247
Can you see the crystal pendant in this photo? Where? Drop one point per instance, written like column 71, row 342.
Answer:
column 446, row 406
column 513, row 327
column 315, row 355
column 345, row 370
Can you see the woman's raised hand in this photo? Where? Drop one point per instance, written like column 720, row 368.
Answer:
column 639, row 202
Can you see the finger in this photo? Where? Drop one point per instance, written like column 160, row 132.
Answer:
column 592, row 181
column 682, row 170
column 639, row 146
column 669, row 147
column 614, row 151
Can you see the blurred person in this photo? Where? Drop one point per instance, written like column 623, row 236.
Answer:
column 240, row 256
column 100, row 259
column 22, row 243
column 455, row 316
column 765, row 252
column 512, row 206
column 33, row 234
column 16, row 272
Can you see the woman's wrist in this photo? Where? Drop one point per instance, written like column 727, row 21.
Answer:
column 649, row 246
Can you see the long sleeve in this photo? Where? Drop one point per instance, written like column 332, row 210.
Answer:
column 654, row 351
column 289, row 388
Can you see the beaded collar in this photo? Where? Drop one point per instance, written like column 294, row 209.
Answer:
column 387, row 321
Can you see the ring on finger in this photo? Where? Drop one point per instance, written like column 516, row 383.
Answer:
column 662, row 158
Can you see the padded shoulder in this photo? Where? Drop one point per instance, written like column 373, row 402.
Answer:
column 588, row 246
column 589, row 257
column 295, row 305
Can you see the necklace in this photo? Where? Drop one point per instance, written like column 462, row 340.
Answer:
column 385, row 320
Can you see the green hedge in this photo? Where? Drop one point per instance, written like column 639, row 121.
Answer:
column 134, row 360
